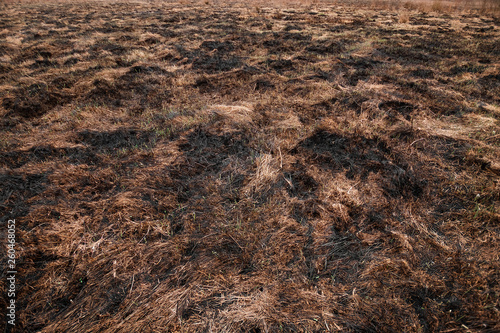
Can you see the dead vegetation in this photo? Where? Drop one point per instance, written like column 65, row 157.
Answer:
column 203, row 168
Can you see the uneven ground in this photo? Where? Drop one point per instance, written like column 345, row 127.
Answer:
column 177, row 168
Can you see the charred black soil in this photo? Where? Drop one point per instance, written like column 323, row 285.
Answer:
column 203, row 168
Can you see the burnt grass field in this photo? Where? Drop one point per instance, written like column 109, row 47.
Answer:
column 244, row 168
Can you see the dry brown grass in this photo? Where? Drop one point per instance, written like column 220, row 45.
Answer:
column 252, row 167
column 404, row 17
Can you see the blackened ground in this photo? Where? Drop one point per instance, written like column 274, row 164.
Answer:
column 216, row 168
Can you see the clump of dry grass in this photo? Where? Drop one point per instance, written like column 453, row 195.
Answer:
column 266, row 173
column 404, row 17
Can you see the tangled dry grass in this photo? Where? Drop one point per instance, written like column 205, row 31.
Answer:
column 202, row 168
